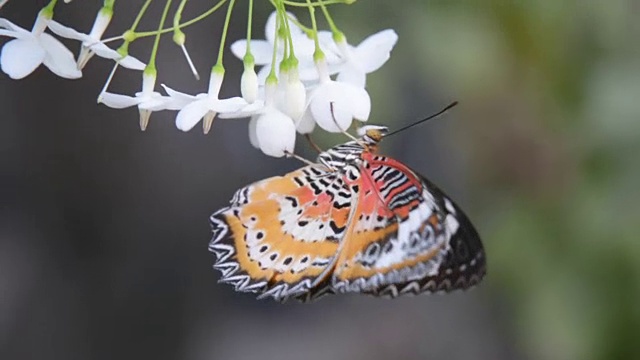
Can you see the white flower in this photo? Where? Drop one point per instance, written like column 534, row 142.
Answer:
column 92, row 44
column 29, row 49
column 270, row 129
column 275, row 132
column 334, row 104
column 147, row 100
column 2, row 2
column 365, row 58
column 262, row 50
column 208, row 105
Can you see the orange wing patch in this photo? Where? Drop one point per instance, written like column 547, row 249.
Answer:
column 281, row 234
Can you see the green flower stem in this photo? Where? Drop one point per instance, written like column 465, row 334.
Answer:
column 337, row 34
column 218, row 66
column 151, row 67
column 248, row 59
column 107, row 7
column 300, row 25
column 249, row 25
column 143, row 9
column 317, row 3
column 177, row 17
column 284, row 30
column 317, row 54
column 272, row 78
column 47, row 11
column 143, row 34
column 285, row 20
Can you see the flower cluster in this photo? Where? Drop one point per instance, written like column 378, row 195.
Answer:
column 307, row 77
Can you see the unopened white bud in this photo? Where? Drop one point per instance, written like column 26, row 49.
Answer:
column 249, row 85
column 295, row 97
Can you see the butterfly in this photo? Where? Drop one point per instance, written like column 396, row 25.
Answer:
column 354, row 221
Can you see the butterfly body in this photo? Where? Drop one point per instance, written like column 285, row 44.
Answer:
column 354, row 222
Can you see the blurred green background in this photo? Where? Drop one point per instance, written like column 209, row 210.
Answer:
column 104, row 229
column 549, row 129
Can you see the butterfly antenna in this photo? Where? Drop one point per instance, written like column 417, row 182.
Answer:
column 338, row 126
column 312, row 143
column 425, row 119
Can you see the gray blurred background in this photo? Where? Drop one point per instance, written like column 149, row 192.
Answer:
column 104, row 228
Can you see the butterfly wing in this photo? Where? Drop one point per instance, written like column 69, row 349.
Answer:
column 406, row 236
column 279, row 237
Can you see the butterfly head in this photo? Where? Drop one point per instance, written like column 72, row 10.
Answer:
column 371, row 135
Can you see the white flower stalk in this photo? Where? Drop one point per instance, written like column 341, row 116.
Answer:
column 30, row 49
column 249, row 81
column 365, row 58
column 92, row 44
column 147, row 100
column 334, row 104
column 206, row 106
column 294, row 95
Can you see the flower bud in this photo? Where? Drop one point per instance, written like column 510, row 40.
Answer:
column 249, row 84
column 295, row 97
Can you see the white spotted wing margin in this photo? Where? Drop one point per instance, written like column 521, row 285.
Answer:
column 464, row 264
column 224, row 253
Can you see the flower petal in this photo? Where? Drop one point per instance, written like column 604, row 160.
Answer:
column 229, row 105
column 191, row 114
column 252, row 109
column 19, row 32
column 20, row 58
column 351, row 73
column 276, row 133
column 177, row 94
column 156, row 102
column 59, row 59
column 261, row 50
column 117, row 101
column 375, row 50
column 360, row 102
column 306, row 124
column 308, row 71
column 253, row 135
column 8, row 33
column 270, row 26
column 330, row 107
column 132, row 63
column 66, row 32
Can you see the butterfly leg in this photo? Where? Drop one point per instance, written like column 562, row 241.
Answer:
column 290, row 154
